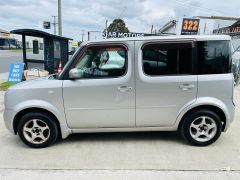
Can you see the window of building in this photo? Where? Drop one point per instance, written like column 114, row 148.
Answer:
column 102, row 62
column 213, row 57
column 57, row 49
column 33, row 52
column 167, row 59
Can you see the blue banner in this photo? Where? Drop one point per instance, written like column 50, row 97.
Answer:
column 15, row 72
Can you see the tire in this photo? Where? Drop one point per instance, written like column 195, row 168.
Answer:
column 201, row 127
column 37, row 130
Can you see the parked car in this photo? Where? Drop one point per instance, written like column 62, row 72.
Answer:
column 159, row 83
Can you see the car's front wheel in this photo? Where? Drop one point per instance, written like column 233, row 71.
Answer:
column 37, row 130
column 201, row 127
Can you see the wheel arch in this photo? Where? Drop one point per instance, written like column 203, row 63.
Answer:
column 213, row 108
column 23, row 112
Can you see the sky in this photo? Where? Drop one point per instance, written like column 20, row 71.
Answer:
column 80, row 16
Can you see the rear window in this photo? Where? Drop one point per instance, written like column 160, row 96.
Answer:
column 213, row 57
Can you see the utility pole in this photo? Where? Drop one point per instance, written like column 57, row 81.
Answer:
column 54, row 24
column 82, row 35
column 106, row 30
column 106, row 24
column 59, row 17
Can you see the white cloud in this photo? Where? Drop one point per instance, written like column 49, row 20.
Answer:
column 78, row 15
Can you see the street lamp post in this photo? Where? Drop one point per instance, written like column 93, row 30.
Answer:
column 59, row 18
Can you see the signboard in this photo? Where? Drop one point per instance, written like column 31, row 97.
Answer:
column 233, row 29
column 122, row 34
column 46, row 25
column 190, row 26
column 15, row 72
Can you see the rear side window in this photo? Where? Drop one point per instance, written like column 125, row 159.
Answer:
column 167, row 58
column 213, row 57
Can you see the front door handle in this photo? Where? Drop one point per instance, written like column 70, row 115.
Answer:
column 185, row 87
column 124, row 88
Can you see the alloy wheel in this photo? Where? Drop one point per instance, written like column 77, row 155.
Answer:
column 203, row 128
column 36, row 131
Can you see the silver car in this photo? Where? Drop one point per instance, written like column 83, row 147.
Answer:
column 165, row 83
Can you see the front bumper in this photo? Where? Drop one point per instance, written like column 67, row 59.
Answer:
column 8, row 117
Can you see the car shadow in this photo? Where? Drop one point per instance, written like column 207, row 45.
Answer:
column 173, row 137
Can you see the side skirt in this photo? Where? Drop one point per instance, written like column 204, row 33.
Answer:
column 134, row 129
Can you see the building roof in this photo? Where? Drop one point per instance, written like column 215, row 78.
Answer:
column 4, row 31
column 218, row 17
column 37, row 33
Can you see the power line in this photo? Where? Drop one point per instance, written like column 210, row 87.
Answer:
column 197, row 6
column 123, row 11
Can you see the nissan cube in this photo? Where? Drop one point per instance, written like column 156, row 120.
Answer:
column 161, row 83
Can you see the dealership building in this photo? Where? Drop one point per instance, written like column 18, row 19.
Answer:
column 205, row 24
column 8, row 41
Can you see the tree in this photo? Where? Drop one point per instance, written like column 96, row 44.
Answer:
column 118, row 25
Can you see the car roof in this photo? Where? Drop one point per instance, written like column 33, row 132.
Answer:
column 170, row 37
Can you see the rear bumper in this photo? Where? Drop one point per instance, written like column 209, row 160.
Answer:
column 231, row 111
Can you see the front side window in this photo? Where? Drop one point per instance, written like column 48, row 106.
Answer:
column 102, row 62
column 167, row 59
column 213, row 57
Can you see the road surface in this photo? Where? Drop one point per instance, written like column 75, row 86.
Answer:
column 8, row 57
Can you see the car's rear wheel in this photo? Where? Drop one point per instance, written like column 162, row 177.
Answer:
column 201, row 127
column 37, row 130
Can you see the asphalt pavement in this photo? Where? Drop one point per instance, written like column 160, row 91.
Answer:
column 8, row 57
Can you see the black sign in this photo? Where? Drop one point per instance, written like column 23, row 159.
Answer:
column 190, row 26
column 46, row 25
column 35, row 47
column 122, row 34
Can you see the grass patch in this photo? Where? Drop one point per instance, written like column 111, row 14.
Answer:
column 5, row 85
column 20, row 50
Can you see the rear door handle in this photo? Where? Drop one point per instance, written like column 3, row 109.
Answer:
column 124, row 88
column 185, row 87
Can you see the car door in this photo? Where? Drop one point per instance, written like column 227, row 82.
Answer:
column 165, row 82
column 104, row 94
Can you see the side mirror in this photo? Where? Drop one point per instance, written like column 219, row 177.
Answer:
column 71, row 52
column 73, row 73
